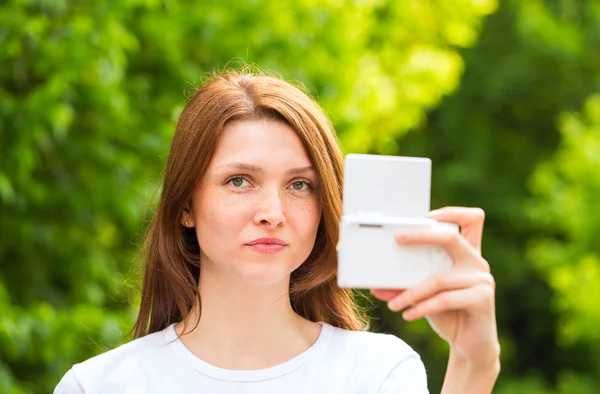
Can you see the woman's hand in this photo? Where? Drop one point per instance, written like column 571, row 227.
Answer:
column 459, row 304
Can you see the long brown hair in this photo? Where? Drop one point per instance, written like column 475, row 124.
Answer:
column 171, row 251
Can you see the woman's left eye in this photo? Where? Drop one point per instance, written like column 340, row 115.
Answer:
column 301, row 186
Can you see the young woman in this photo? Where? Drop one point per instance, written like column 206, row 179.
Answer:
column 240, row 293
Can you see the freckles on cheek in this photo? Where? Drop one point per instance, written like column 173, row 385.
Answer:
column 309, row 213
column 213, row 231
column 222, row 212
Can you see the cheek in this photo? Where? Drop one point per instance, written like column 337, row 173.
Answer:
column 307, row 225
column 218, row 220
column 307, row 217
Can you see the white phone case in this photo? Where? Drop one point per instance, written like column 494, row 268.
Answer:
column 383, row 196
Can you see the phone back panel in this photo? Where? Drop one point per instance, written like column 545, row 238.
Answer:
column 391, row 186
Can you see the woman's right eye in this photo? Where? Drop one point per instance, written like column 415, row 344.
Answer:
column 237, row 181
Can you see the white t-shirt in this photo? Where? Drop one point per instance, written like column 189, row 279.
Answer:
column 340, row 361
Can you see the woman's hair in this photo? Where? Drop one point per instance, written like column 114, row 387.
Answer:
column 171, row 251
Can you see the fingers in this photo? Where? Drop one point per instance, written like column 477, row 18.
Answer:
column 463, row 216
column 453, row 280
column 462, row 252
column 386, row 295
column 471, row 221
column 479, row 297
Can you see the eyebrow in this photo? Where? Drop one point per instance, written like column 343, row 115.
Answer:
column 259, row 170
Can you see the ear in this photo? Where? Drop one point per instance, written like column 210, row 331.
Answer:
column 186, row 219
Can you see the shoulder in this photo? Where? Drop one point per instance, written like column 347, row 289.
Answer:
column 381, row 360
column 370, row 344
column 91, row 373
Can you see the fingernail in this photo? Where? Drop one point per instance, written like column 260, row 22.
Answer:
column 403, row 237
column 408, row 314
column 396, row 304
column 434, row 213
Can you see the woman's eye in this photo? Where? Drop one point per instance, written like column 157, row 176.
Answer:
column 300, row 186
column 237, row 181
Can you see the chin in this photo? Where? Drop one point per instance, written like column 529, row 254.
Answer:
column 265, row 273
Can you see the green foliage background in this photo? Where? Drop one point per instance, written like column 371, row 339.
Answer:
column 503, row 96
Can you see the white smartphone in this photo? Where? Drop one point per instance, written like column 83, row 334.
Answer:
column 383, row 196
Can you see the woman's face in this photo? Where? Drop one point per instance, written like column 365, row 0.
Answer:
column 257, row 209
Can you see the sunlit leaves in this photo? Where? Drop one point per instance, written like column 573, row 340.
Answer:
column 567, row 189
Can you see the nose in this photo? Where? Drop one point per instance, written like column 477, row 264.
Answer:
column 270, row 212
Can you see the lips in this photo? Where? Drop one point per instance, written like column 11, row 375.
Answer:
column 267, row 241
column 267, row 245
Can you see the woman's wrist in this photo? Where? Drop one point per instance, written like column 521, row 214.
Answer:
column 467, row 376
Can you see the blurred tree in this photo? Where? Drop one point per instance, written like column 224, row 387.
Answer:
column 565, row 206
column 88, row 96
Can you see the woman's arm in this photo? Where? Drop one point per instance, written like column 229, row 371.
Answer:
column 463, row 376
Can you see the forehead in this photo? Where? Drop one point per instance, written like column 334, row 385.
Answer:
column 261, row 142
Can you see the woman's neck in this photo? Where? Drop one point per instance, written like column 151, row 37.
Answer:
column 246, row 327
